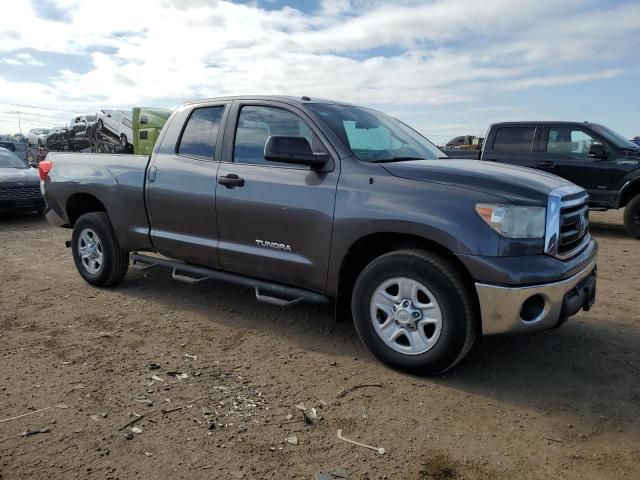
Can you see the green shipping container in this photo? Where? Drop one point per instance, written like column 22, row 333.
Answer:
column 147, row 124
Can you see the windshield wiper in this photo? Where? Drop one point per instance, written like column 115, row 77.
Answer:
column 396, row 159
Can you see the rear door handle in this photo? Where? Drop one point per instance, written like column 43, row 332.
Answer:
column 152, row 173
column 231, row 181
column 546, row 163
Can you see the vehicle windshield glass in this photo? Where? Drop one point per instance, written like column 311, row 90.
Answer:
column 373, row 136
column 91, row 118
column 9, row 160
column 617, row 139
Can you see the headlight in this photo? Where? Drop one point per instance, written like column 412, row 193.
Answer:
column 514, row 221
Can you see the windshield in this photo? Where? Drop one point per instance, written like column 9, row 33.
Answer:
column 617, row 139
column 91, row 118
column 9, row 160
column 373, row 136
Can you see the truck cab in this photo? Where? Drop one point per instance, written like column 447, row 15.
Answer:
column 593, row 156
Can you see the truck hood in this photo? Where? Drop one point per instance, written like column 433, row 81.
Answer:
column 512, row 183
column 17, row 176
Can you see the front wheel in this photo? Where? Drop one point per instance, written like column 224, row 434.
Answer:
column 96, row 252
column 123, row 140
column 632, row 217
column 414, row 311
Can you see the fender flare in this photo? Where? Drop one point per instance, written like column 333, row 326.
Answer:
column 629, row 185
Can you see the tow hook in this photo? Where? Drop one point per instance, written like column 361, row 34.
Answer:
column 67, row 243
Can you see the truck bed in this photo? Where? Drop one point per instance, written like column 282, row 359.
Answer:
column 465, row 154
column 116, row 181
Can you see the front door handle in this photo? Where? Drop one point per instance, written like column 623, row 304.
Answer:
column 231, row 181
column 546, row 163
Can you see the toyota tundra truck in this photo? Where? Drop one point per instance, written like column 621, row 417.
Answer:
column 313, row 200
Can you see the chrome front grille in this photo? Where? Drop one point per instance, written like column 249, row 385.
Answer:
column 20, row 193
column 567, row 229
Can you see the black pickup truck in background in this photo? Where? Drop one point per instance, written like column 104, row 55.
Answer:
column 593, row 156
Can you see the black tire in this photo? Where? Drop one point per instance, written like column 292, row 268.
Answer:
column 123, row 140
column 115, row 260
column 100, row 125
column 632, row 217
column 459, row 326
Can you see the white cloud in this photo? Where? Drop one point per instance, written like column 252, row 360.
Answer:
column 390, row 54
column 22, row 59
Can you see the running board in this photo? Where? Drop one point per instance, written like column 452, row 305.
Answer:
column 268, row 292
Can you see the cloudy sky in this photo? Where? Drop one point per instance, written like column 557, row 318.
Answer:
column 447, row 67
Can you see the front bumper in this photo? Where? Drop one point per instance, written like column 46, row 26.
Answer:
column 21, row 204
column 550, row 305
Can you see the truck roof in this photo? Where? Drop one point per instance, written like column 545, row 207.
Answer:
column 281, row 98
column 545, row 122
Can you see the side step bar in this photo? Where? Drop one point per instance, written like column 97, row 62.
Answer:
column 266, row 291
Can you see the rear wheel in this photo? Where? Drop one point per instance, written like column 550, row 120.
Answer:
column 632, row 217
column 96, row 252
column 413, row 310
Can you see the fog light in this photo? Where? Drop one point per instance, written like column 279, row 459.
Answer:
column 532, row 309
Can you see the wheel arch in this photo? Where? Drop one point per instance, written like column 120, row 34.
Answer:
column 369, row 247
column 80, row 203
column 628, row 191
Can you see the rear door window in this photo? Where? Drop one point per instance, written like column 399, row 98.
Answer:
column 514, row 139
column 201, row 132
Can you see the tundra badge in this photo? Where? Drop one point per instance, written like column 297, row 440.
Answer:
column 274, row 245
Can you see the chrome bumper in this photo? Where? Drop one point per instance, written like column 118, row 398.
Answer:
column 500, row 307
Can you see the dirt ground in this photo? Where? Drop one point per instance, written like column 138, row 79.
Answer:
column 557, row 404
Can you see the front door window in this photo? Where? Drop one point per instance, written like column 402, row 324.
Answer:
column 569, row 140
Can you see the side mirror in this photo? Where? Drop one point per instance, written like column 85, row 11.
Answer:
column 294, row 150
column 598, row 151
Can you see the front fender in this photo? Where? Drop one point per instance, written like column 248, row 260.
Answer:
column 369, row 201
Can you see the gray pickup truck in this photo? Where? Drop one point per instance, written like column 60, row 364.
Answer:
column 313, row 200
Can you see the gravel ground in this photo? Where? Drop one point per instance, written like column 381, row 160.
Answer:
column 557, row 404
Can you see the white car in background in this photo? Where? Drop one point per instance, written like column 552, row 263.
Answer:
column 82, row 120
column 37, row 136
column 118, row 122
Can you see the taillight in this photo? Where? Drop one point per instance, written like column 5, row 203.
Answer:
column 44, row 168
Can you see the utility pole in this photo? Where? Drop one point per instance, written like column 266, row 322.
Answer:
column 17, row 112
